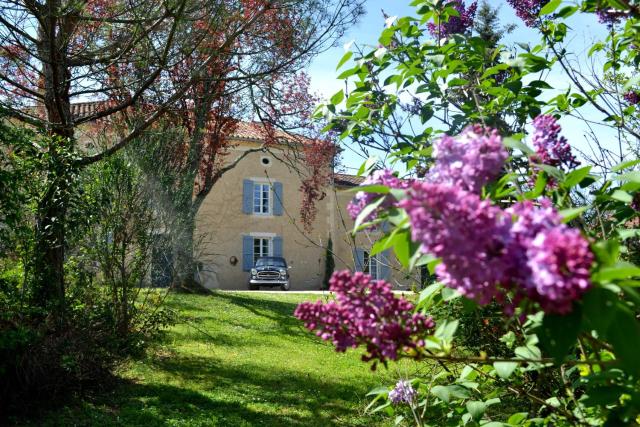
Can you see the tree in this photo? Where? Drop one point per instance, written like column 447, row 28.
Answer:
column 143, row 58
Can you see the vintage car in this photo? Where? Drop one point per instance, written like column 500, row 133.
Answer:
column 270, row 271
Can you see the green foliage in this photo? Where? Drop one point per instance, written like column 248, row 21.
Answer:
column 329, row 264
column 528, row 367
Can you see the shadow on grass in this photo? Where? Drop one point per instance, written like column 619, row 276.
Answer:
column 227, row 397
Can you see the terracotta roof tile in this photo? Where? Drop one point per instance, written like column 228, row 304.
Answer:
column 347, row 180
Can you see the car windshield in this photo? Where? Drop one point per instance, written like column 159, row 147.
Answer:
column 273, row 262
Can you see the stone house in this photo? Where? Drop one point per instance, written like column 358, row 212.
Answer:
column 254, row 210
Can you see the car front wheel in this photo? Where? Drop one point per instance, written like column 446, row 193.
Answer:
column 285, row 287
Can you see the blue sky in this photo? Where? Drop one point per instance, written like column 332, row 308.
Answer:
column 584, row 30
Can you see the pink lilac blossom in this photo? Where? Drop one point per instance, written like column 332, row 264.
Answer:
column 455, row 24
column 469, row 234
column 551, row 148
column 403, row 392
column 632, row 97
column 635, row 202
column 366, row 312
column 488, row 252
column 362, row 199
column 611, row 16
column 528, row 10
column 550, row 272
column 559, row 259
column 470, row 160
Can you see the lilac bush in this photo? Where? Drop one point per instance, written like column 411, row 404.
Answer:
column 365, row 312
column 528, row 10
column 384, row 177
column 468, row 233
column 471, row 160
column 455, row 24
column 551, row 148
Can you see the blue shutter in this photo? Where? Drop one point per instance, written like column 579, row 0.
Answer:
column 277, row 246
column 358, row 255
column 383, row 268
column 247, row 196
column 277, row 202
column 247, row 253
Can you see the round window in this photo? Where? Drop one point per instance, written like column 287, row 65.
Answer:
column 265, row 161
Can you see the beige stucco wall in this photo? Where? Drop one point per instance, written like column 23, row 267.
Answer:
column 221, row 224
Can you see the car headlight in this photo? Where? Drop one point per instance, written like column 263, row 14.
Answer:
column 254, row 272
column 283, row 272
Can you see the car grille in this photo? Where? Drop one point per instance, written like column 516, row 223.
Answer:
column 268, row 275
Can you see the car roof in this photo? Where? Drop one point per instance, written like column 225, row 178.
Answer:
column 269, row 258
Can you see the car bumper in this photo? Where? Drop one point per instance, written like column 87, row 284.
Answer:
column 268, row 282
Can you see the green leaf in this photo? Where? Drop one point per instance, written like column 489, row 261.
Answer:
column 511, row 142
column 347, row 56
column 367, row 165
column 620, row 270
column 559, row 333
column 476, row 409
column 404, row 248
column 625, row 165
column 624, row 334
column 631, row 82
column 550, row 7
column 337, row 97
column 629, row 177
column 569, row 214
column 373, row 188
column 597, row 308
column 445, row 393
column 575, row 177
column 368, row 210
column 528, row 352
column 622, row 196
column 517, row 418
column 567, row 11
column 505, row 369
column 446, row 329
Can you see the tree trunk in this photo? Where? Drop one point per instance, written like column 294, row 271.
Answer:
column 49, row 288
column 48, row 268
column 186, row 266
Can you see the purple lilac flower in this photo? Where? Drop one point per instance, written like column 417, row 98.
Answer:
column 559, row 259
column 528, row 10
column 362, row 199
column 635, row 202
column 548, row 271
column 632, row 97
column 551, row 148
column 403, row 392
column 611, row 16
column 471, row 160
column 469, row 234
column 487, row 252
column 455, row 24
column 366, row 312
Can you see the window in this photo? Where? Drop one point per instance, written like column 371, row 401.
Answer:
column 371, row 266
column 261, row 198
column 261, row 248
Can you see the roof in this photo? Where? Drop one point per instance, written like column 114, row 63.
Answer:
column 254, row 131
column 347, row 180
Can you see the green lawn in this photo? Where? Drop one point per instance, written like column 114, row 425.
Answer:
column 241, row 359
